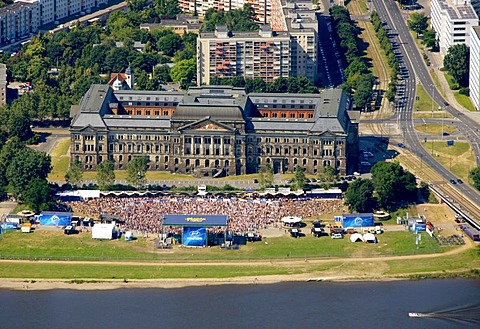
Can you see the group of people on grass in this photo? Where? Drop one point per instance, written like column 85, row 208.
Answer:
column 145, row 214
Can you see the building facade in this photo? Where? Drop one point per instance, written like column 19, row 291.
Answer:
column 199, row 7
column 225, row 54
column 288, row 50
column 452, row 20
column 18, row 20
column 215, row 130
column 23, row 18
column 474, row 73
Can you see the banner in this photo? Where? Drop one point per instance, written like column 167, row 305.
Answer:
column 357, row 220
column 194, row 236
column 58, row 219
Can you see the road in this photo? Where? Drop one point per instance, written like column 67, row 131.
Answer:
column 414, row 63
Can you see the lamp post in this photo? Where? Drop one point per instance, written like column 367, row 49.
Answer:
column 433, row 95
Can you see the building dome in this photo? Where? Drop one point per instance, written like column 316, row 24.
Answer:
column 128, row 71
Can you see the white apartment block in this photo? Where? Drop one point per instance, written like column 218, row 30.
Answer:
column 23, row 18
column 474, row 77
column 261, row 7
column 292, row 19
column 260, row 54
column 452, row 20
column 18, row 20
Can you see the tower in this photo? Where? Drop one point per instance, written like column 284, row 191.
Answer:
column 129, row 78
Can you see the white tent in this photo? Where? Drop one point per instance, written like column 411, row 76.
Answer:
column 355, row 237
column 369, row 237
column 103, row 231
column 291, row 219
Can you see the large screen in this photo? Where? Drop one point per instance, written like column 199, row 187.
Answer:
column 55, row 219
column 194, row 236
column 357, row 220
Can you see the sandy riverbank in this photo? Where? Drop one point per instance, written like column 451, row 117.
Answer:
column 89, row 284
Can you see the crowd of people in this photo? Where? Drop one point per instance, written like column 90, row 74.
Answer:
column 144, row 214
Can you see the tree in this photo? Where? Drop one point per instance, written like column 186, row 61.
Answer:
column 37, row 195
column 19, row 124
column 26, row 165
column 429, row 38
column 268, row 175
column 328, row 174
column 456, row 62
column 363, row 90
column 359, row 196
column 184, row 71
column 261, row 178
column 169, row 44
column 8, row 152
column 474, row 176
column 74, row 173
column 136, row 170
column 167, row 8
column 393, row 185
column 299, row 178
column 105, row 175
column 418, row 23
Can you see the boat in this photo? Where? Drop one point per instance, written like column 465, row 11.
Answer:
column 416, row 315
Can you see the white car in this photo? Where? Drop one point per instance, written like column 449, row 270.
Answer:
column 337, row 236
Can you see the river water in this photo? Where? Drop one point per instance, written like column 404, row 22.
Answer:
column 283, row 305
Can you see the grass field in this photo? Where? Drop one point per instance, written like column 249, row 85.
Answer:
column 60, row 160
column 428, row 115
column 53, row 244
column 435, row 128
column 457, row 158
column 464, row 101
column 424, row 102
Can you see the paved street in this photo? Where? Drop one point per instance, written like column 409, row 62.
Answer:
column 416, row 69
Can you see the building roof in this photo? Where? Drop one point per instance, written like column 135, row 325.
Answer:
column 136, row 121
column 463, row 11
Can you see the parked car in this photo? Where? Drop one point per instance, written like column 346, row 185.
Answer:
column 337, row 236
column 401, row 145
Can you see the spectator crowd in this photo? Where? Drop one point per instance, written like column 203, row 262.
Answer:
column 145, row 214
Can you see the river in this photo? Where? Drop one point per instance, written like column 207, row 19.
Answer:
column 283, row 305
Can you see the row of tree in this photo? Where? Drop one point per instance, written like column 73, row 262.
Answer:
column 295, row 85
column 457, row 63
column 418, row 23
column 359, row 78
column 387, row 47
column 391, row 187
column 235, row 20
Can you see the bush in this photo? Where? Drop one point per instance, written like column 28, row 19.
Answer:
column 465, row 91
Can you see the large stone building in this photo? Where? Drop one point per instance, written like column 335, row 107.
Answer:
column 215, row 130
column 452, row 20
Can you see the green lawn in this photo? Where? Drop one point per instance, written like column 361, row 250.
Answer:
column 424, row 102
column 53, row 244
column 60, row 160
column 435, row 128
column 464, row 101
column 458, row 158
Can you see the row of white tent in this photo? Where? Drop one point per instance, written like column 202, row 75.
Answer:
column 367, row 237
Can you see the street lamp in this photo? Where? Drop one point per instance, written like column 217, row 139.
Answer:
column 433, row 92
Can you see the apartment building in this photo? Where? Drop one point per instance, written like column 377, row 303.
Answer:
column 474, row 75
column 3, row 84
column 452, row 20
column 215, row 130
column 18, row 20
column 199, row 7
column 23, row 18
column 263, row 54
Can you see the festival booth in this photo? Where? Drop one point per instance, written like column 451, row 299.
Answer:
column 194, row 227
column 370, row 238
column 104, row 231
column 54, row 218
column 291, row 220
column 357, row 220
column 356, row 237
